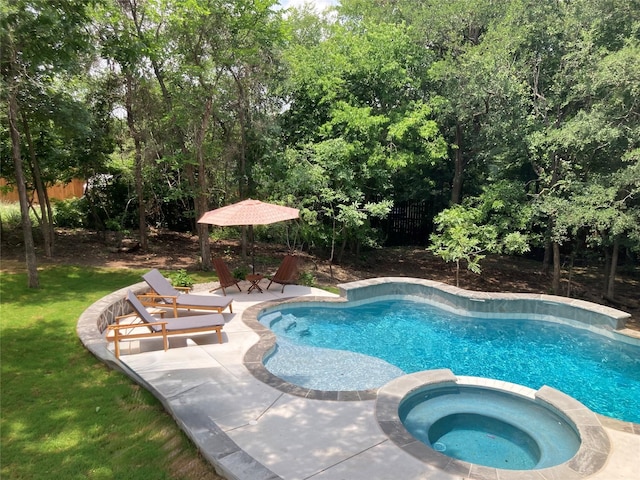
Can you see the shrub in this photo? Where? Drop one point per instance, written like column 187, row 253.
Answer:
column 10, row 216
column 181, row 278
column 241, row 272
column 70, row 213
column 307, row 279
column 224, row 233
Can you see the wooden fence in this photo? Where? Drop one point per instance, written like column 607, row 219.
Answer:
column 60, row 191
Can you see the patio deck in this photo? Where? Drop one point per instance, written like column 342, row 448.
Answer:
column 251, row 431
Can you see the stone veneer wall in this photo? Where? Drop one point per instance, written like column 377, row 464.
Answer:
column 94, row 321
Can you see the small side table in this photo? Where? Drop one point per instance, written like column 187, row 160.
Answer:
column 255, row 280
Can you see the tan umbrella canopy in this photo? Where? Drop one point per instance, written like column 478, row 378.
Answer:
column 248, row 213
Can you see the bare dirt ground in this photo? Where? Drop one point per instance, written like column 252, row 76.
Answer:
column 170, row 250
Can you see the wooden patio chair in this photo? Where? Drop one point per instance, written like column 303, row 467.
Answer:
column 287, row 273
column 165, row 295
column 144, row 325
column 224, row 276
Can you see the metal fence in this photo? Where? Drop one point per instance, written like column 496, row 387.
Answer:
column 409, row 223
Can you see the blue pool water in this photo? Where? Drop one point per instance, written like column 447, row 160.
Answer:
column 411, row 336
column 492, row 444
column 478, row 425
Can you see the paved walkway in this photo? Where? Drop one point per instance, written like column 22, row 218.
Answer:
column 251, row 431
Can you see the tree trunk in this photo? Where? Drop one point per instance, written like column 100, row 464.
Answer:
column 546, row 259
column 205, row 247
column 555, row 285
column 29, row 246
column 456, row 187
column 333, row 245
column 46, row 217
column 201, row 201
column 343, row 245
column 142, row 204
column 135, row 134
column 549, row 247
column 606, row 270
column 243, row 177
column 244, row 242
column 611, row 283
column 570, row 276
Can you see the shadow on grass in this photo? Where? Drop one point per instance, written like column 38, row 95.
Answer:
column 63, row 413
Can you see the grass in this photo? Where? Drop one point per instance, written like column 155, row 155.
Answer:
column 10, row 216
column 64, row 414
column 10, row 213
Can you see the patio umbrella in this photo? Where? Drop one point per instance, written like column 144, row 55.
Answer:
column 248, row 213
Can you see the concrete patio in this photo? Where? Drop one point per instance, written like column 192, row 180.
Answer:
column 251, row 431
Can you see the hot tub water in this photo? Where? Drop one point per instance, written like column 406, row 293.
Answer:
column 489, row 427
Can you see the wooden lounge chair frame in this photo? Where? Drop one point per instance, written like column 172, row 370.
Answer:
column 169, row 296
column 287, row 273
column 212, row 322
column 225, row 277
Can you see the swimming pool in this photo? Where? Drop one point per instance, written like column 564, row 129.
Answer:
column 386, row 338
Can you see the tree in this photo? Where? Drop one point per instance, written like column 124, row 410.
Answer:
column 118, row 27
column 356, row 113
column 10, row 77
column 31, row 62
column 470, row 72
column 209, row 60
column 222, row 49
column 495, row 222
column 585, row 112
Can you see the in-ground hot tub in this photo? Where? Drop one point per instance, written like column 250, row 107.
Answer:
column 495, row 428
column 468, row 424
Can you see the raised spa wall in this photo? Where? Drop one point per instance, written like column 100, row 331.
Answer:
column 592, row 455
column 574, row 312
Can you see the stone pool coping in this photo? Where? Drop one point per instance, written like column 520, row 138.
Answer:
column 592, row 455
column 602, row 318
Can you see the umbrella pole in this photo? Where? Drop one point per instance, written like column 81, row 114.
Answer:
column 243, row 242
column 253, row 248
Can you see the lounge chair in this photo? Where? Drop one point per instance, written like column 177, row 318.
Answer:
column 149, row 326
column 287, row 273
column 165, row 295
column 224, row 276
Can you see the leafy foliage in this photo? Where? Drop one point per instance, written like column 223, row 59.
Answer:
column 488, row 105
column 71, row 213
column 180, row 278
column 494, row 222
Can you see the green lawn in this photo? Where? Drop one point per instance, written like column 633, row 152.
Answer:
column 64, row 415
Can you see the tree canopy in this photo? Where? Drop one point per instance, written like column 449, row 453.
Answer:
column 516, row 121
